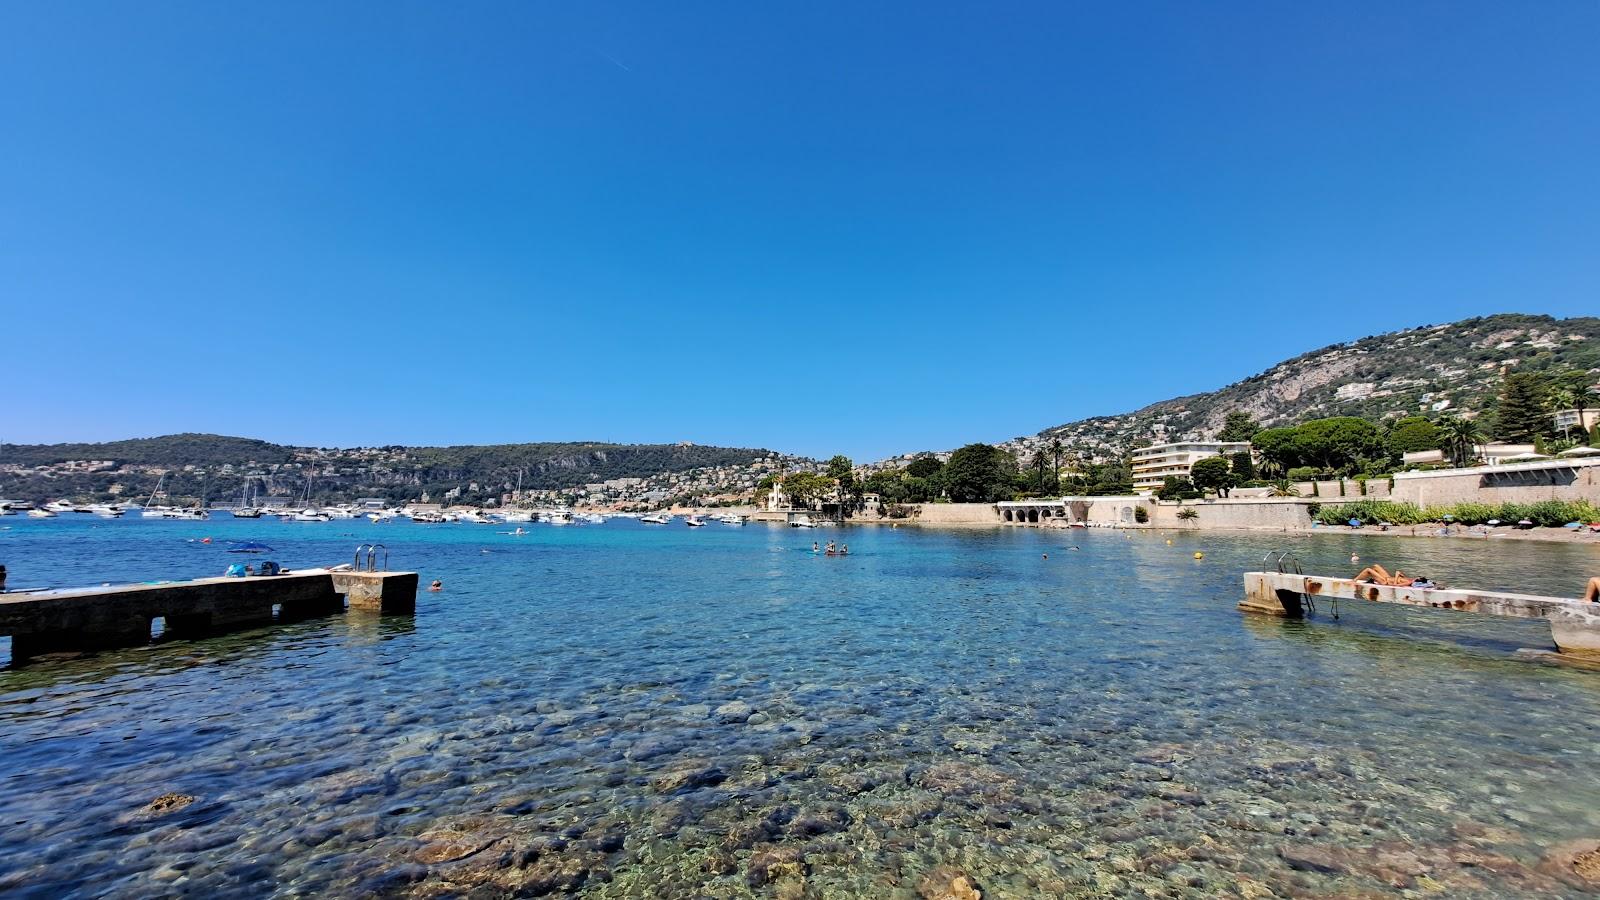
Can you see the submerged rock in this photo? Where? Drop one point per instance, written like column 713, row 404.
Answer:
column 1575, row 862
column 773, row 863
column 735, row 713
column 948, row 883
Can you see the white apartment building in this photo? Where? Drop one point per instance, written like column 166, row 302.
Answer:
column 1152, row 465
column 1576, row 418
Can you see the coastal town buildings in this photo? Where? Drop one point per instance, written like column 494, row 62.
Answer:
column 1153, row 465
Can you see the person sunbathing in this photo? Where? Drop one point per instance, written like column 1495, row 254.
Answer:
column 1592, row 594
column 1378, row 575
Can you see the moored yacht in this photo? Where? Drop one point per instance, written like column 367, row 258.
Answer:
column 655, row 519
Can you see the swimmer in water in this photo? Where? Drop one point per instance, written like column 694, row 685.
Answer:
column 436, row 586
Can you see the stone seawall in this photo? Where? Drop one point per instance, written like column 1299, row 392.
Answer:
column 1500, row 484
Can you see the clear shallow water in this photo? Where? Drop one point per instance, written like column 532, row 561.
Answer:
column 633, row 711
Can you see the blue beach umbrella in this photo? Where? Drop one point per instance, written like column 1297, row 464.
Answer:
column 1355, row 523
column 248, row 547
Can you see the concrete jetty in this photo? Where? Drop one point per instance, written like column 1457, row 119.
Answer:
column 1574, row 624
column 121, row 616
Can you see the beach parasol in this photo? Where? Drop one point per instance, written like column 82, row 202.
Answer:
column 248, row 547
column 1355, row 523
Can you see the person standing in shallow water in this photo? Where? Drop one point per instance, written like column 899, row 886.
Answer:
column 1592, row 592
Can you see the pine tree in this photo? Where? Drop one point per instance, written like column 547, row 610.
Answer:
column 1524, row 411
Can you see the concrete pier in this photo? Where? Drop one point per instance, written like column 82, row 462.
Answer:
column 121, row 616
column 1574, row 624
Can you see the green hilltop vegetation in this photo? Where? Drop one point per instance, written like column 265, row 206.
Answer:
column 45, row 471
column 1439, row 370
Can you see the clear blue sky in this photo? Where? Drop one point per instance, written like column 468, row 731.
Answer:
column 817, row 227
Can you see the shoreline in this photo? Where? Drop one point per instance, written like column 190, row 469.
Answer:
column 1546, row 535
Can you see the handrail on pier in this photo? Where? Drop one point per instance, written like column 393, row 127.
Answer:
column 371, row 563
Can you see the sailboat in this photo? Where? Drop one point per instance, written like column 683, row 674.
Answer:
column 151, row 511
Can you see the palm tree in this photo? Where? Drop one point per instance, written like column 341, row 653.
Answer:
column 1565, row 398
column 1056, row 449
column 1460, row 435
column 1039, row 463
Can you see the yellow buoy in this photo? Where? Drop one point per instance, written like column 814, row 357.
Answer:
column 1199, row 555
column 1169, row 542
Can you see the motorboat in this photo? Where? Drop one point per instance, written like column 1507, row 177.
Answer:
column 42, row 513
column 801, row 521
column 518, row 515
column 592, row 518
column 380, row 517
column 17, row 505
column 694, row 522
column 310, row 515
column 427, row 518
column 558, row 517
column 338, row 512
column 472, row 518
column 193, row 514
column 247, row 512
column 731, row 519
column 156, row 512
column 106, row 511
column 58, row 506
column 655, row 519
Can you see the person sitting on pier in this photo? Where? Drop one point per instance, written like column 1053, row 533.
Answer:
column 1378, row 575
column 1592, row 594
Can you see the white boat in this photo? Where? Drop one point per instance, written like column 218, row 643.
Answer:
column 656, row 519
column 380, row 517
column 592, row 518
column 156, row 512
column 472, row 518
column 338, row 512
column 309, row 515
column 801, row 520
column 427, row 518
column 731, row 519
column 17, row 505
column 694, row 522
column 45, row 513
column 247, row 512
column 558, row 517
column 58, row 506
column 519, row 515
column 106, row 511
column 192, row 514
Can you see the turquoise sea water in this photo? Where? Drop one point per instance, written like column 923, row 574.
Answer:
column 637, row 711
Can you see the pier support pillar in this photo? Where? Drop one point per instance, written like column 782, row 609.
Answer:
column 389, row 592
column 1262, row 597
column 1577, row 631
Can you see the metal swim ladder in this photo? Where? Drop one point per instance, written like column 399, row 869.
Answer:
column 372, row 555
column 1284, row 562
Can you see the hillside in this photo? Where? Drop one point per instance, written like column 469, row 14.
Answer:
column 1452, row 368
column 219, row 466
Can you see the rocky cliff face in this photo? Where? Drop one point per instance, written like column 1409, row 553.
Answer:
column 1433, row 369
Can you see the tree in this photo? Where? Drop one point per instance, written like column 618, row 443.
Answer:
column 1276, row 446
column 804, row 488
column 1461, row 437
column 839, row 466
column 1175, row 487
column 979, row 473
column 1039, row 463
column 1414, row 434
column 1337, row 444
column 1238, row 426
column 1244, row 467
column 1056, row 449
column 924, row 466
column 1212, row 474
column 1524, row 411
